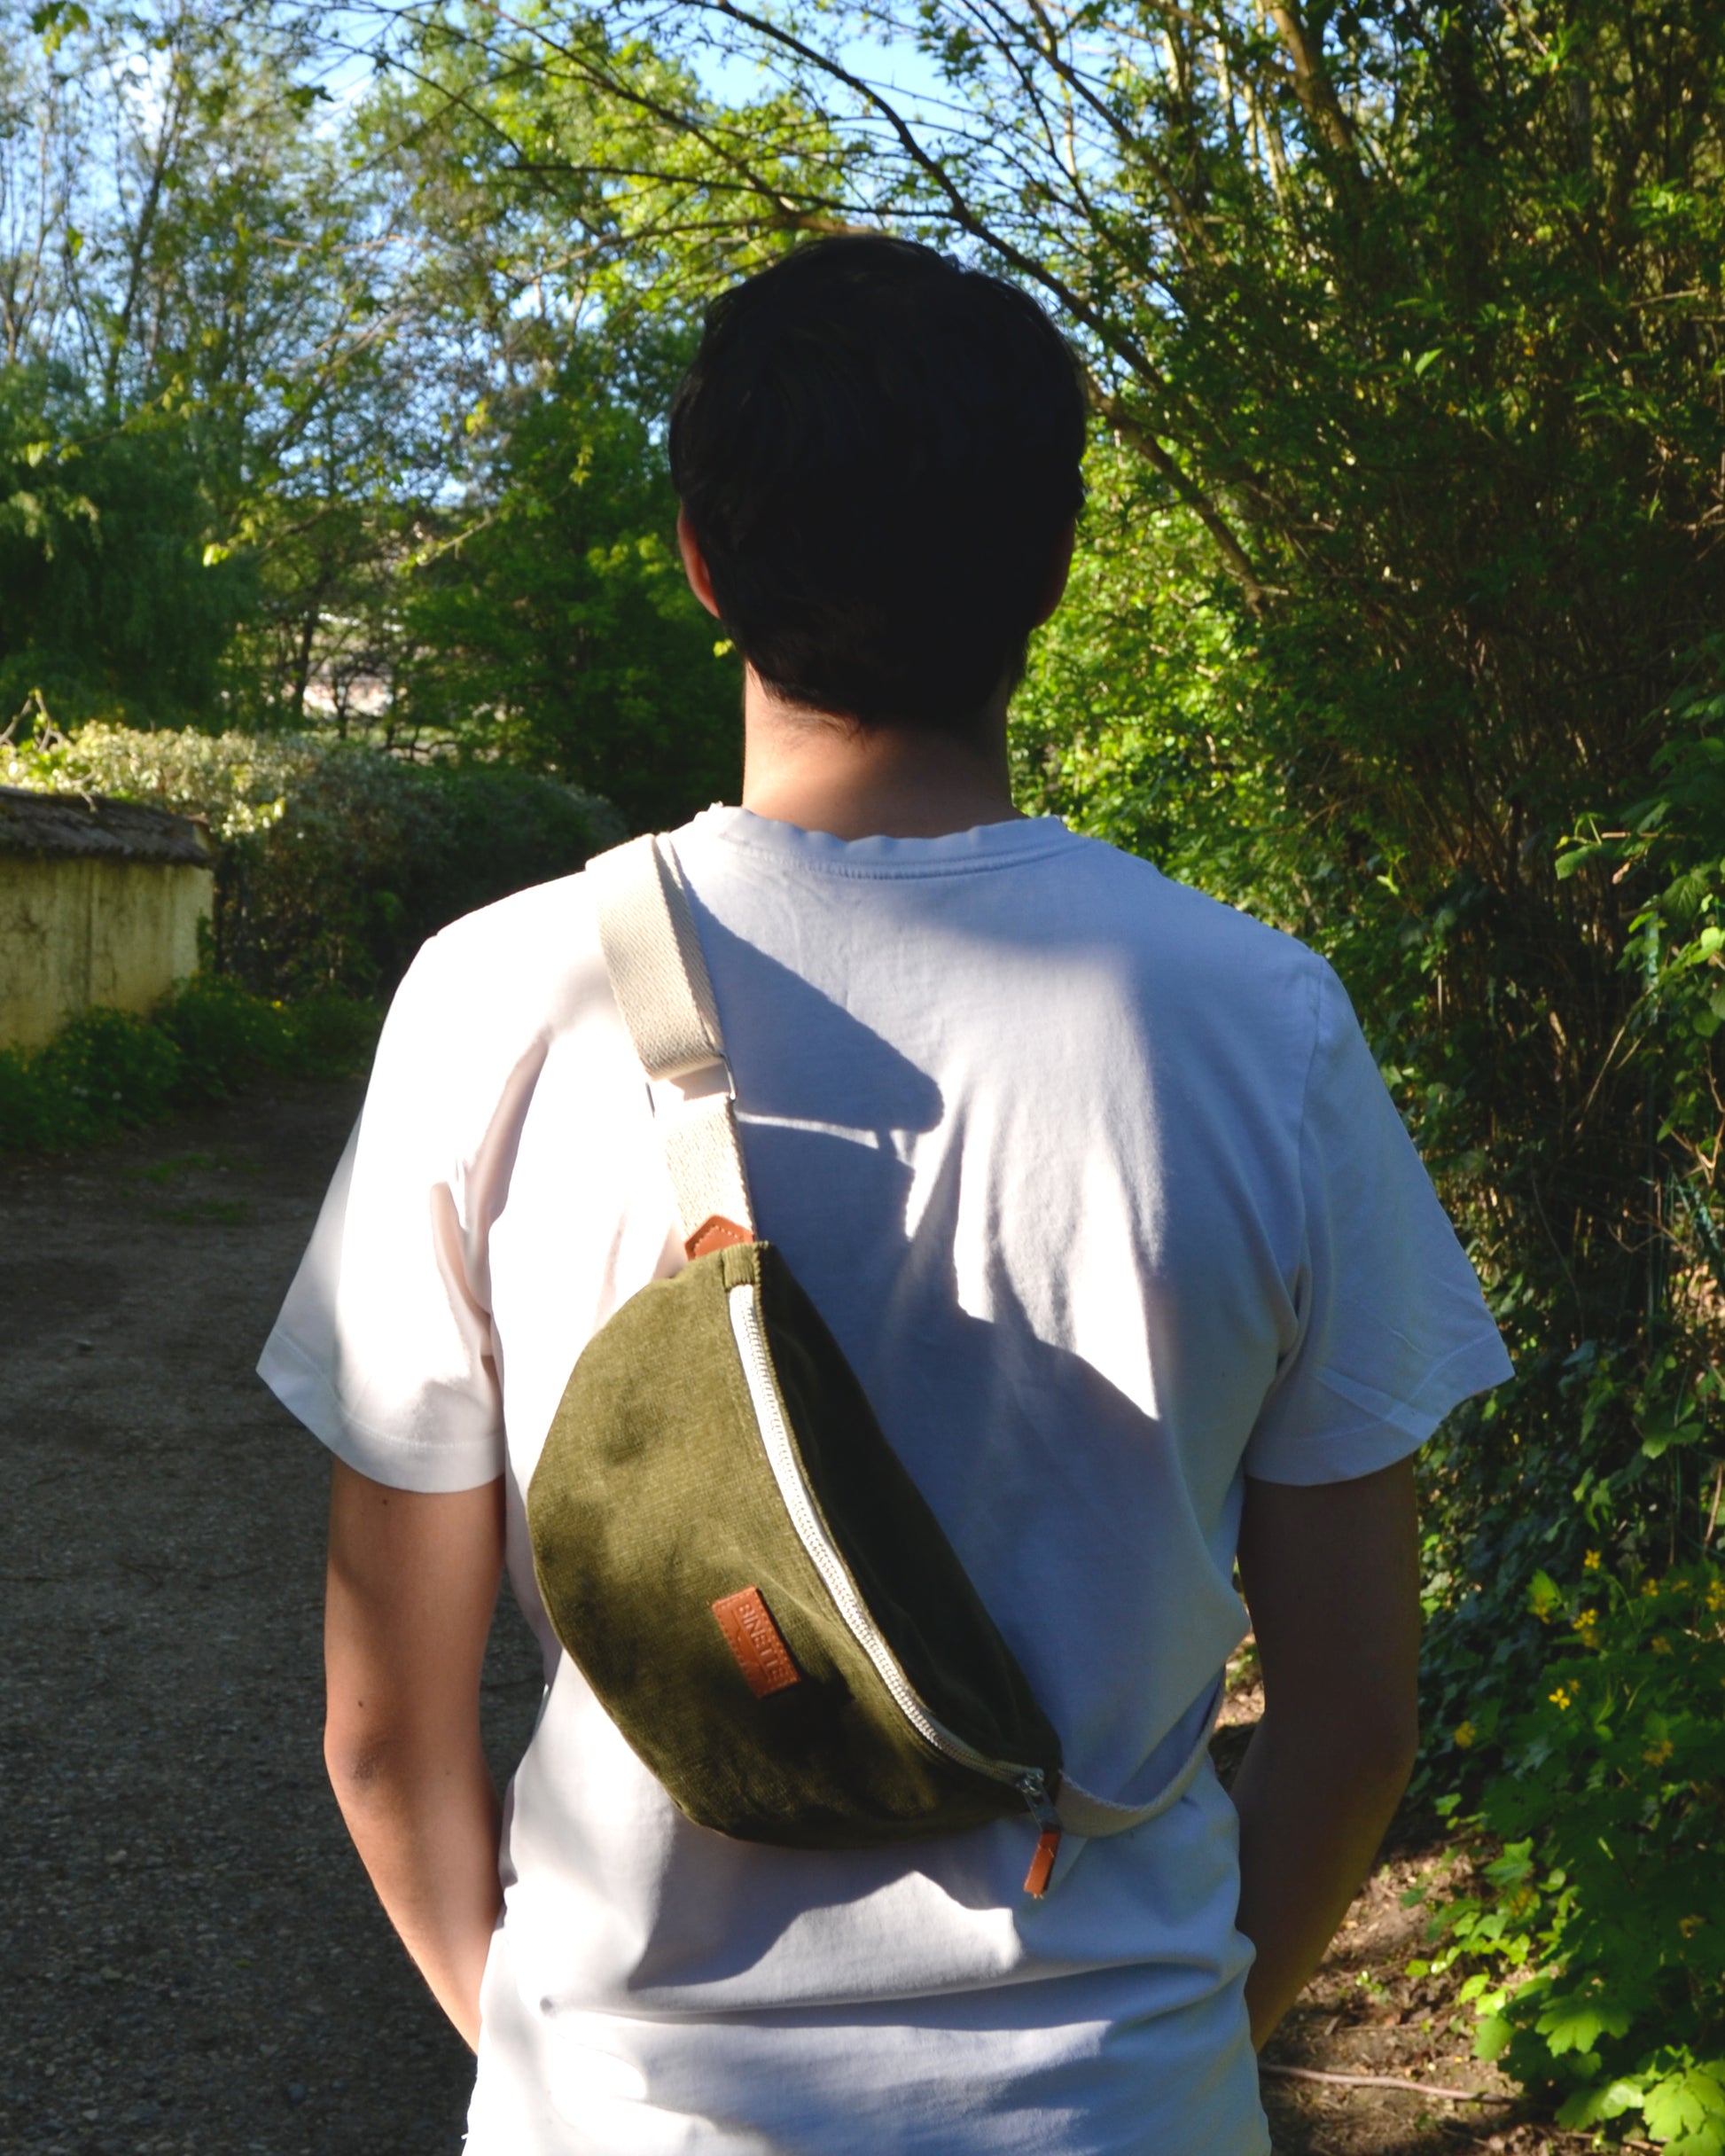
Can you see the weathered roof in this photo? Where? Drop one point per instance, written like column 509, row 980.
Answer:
column 63, row 823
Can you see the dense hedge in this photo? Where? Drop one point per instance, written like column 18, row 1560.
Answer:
column 108, row 1071
column 335, row 860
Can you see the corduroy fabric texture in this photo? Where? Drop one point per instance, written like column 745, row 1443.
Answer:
column 654, row 1498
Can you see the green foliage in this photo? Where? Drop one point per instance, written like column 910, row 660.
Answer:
column 108, row 1071
column 1137, row 719
column 282, row 441
column 335, row 860
column 109, row 608
column 227, row 1038
column 561, row 633
column 1600, row 1928
column 26, row 1110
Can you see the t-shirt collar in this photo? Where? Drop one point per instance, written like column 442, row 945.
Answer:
column 984, row 845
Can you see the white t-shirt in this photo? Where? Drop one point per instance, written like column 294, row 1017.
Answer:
column 1096, row 1185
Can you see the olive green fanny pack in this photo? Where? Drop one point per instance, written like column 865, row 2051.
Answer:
column 724, row 1538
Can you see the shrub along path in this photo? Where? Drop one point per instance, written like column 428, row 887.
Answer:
column 192, row 1959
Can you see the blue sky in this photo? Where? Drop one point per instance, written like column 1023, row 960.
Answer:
column 897, row 65
column 735, row 79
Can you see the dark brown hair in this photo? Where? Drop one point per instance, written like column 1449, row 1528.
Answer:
column 880, row 452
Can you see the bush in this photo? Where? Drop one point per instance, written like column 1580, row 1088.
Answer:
column 104, row 1072
column 227, row 1037
column 224, row 1036
column 335, row 860
column 1601, row 1927
column 329, row 1037
column 108, row 1070
column 28, row 1119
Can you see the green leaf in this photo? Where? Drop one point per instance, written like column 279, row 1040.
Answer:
column 1587, row 2107
column 1543, row 1596
column 55, row 22
column 1492, row 2037
column 1576, row 2024
column 1691, row 2103
column 1657, row 1439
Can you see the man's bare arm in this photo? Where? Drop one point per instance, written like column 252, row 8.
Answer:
column 411, row 1586
column 1331, row 1578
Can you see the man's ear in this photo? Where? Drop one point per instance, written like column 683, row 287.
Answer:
column 1059, row 570
column 694, row 565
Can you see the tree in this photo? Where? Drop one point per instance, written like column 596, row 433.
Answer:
column 398, row 445
column 556, row 627
column 184, row 245
column 105, row 604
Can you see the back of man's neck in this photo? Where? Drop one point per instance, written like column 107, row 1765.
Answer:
column 805, row 768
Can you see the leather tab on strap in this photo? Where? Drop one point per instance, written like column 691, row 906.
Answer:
column 716, row 1232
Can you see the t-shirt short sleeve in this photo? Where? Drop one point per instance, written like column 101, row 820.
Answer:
column 384, row 1347
column 1393, row 1330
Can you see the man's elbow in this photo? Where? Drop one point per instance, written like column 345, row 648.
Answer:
column 363, row 1759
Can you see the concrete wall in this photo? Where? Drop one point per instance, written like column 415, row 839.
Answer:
column 77, row 930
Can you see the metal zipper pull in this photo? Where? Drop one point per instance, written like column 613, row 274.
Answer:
column 1032, row 1788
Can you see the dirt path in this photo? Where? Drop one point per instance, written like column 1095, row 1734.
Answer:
column 192, row 1959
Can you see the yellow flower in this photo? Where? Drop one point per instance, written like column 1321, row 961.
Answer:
column 1590, row 1562
column 1661, row 1644
column 1716, row 1595
column 1464, row 1734
column 1655, row 1756
column 1688, row 1925
column 1562, row 1697
column 1588, row 1625
column 1649, row 1588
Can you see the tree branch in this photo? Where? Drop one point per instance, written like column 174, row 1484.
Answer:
column 1256, row 592
column 1312, row 85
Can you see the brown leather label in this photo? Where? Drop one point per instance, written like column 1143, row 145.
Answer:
column 753, row 1638
column 716, row 1232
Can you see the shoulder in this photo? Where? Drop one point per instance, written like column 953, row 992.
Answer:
column 493, row 992
column 524, row 942
column 1193, row 941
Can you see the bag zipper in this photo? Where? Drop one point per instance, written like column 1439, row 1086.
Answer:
column 744, row 1305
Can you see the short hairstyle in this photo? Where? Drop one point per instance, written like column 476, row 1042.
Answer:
column 880, row 452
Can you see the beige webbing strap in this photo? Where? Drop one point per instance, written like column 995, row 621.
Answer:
column 652, row 954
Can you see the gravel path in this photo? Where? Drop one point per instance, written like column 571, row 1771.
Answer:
column 192, row 1958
